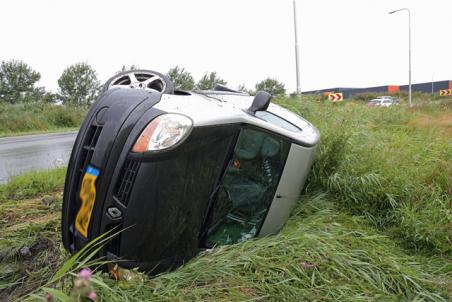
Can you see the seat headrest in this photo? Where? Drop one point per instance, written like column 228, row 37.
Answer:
column 249, row 144
column 270, row 147
column 252, row 143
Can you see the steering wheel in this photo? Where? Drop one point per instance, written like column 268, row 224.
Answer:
column 140, row 79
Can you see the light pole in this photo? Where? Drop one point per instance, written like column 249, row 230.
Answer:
column 433, row 74
column 409, row 50
column 296, row 48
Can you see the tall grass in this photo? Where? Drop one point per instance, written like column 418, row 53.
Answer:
column 378, row 165
column 29, row 117
column 322, row 254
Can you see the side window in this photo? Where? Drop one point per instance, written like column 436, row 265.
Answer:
column 247, row 187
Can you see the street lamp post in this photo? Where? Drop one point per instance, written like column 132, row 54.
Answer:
column 296, row 48
column 433, row 75
column 409, row 50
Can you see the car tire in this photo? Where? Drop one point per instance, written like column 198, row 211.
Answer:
column 165, row 85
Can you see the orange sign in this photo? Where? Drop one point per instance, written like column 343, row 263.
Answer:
column 336, row 97
column 445, row 92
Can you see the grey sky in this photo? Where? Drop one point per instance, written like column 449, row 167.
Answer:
column 342, row 43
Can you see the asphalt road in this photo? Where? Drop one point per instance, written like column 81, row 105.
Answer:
column 34, row 152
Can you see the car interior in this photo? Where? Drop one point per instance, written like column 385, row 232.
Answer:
column 247, row 187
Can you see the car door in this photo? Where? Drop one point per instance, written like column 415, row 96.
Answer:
column 246, row 189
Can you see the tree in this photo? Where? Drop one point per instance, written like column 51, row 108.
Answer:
column 49, row 98
column 78, row 85
column 271, row 86
column 243, row 88
column 125, row 68
column 181, row 78
column 17, row 81
column 209, row 80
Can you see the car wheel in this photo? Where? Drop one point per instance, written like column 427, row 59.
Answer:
column 140, row 79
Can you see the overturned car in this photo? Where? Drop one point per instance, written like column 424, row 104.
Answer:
column 175, row 172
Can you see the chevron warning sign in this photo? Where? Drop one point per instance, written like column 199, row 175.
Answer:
column 445, row 92
column 336, row 97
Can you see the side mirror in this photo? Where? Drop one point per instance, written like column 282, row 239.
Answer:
column 260, row 102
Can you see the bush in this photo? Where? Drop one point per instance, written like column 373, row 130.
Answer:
column 27, row 117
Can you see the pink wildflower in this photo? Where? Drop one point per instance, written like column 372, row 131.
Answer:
column 49, row 297
column 85, row 274
column 92, row 296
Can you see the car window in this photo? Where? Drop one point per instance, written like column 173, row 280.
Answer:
column 247, row 187
column 276, row 120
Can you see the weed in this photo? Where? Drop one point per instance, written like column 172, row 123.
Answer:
column 38, row 117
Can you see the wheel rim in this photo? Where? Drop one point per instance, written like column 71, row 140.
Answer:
column 139, row 80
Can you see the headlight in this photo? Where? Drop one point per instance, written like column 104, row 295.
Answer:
column 163, row 132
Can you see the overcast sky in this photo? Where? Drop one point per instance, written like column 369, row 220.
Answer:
column 348, row 43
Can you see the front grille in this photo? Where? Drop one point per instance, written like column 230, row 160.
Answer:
column 84, row 159
column 125, row 181
column 89, row 145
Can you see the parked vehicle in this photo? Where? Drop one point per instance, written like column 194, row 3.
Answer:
column 174, row 172
column 383, row 101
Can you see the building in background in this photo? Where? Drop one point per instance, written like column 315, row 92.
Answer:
column 427, row 87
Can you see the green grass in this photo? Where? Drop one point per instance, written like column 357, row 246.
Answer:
column 373, row 223
column 379, row 163
column 35, row 118
column 32, row 184
column 322, row 254
column 30, row 207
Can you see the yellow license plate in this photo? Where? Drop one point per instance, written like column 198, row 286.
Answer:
column 88, row 198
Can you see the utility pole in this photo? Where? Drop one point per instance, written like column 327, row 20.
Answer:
column 296, row 48
column 433, row 74
column 409, row 50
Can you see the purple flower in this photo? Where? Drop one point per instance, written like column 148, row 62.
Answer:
column 85, row 274
column 49, row 297
column 92, row 296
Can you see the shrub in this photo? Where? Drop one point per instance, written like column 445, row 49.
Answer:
column 38, row 117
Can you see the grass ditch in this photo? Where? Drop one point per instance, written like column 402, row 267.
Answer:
column 322, row 254
column 378, row 165
column 372, row 224
column 30, row 248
